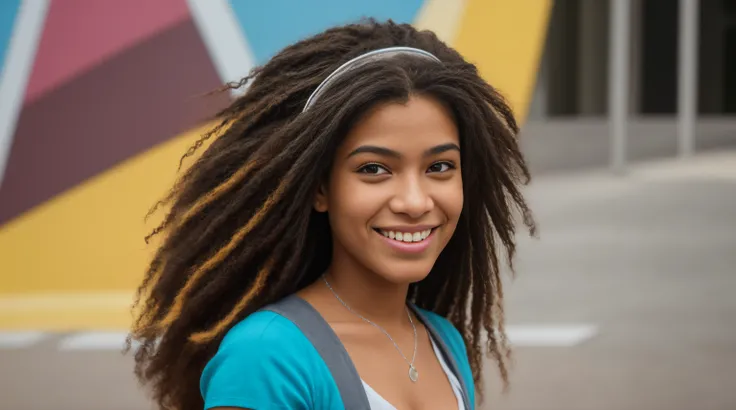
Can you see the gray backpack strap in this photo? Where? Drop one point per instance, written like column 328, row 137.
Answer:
column 329, row 347
column 446, row 353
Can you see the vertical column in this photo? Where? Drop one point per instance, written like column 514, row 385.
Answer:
column 562, row 55
column 592, row 57
column 711, row 58
column 687, row 96
column 538, row 108
column 618, row 82
column 635, row 71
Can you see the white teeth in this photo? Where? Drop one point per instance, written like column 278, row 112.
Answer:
column 407, row 236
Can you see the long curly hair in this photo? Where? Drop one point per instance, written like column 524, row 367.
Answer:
column 240, row 231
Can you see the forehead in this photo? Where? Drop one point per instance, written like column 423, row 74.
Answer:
column 416, row 124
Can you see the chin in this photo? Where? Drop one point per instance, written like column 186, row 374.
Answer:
column 405, row 272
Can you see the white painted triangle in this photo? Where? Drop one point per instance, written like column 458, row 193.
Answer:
column 224, row 38
column 15, row 73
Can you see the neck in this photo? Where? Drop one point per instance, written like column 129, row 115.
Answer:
column 369, row 295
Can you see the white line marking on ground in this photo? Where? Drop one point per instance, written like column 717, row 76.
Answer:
column 18, row 340
column 550, row 335
column 519, row 336
column 94, row 341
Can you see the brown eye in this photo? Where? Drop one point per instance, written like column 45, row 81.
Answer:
column 372, row 169
column 441, row 167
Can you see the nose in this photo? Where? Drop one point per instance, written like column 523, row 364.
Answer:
column 411, row 198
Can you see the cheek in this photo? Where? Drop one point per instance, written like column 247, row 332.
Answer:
column 450, row 200
column 352, row 201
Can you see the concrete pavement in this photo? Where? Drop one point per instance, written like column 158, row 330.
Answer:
column 637, row 274
column 650, row 259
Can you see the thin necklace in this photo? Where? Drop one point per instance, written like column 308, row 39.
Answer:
column 413, row 373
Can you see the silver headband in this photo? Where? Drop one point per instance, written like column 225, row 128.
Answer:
column 361, row 60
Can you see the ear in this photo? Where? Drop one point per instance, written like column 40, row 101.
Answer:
column 320, row 199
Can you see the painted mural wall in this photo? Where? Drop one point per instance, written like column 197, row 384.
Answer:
column 99, row 99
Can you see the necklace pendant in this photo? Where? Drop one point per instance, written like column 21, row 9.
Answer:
column 413, row 374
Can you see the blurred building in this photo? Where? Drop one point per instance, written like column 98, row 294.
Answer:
column 573, row 76
column 569, row 121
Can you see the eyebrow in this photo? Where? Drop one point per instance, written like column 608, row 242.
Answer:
column 385, row 152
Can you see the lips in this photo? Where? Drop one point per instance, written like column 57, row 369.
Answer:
column 409, row 239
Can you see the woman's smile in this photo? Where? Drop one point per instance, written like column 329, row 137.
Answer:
column 407, row 239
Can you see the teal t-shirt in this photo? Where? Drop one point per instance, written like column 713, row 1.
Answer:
column 266, row 362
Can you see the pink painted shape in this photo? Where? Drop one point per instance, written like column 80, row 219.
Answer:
column 79, row 34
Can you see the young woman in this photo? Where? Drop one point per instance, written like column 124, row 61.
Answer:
column 364, row 181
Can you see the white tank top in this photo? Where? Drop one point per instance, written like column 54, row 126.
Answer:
column 379, row 403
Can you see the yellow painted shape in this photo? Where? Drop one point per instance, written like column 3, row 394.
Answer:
column 91, row 237
column 505, row 39
column 442, row 17
column 66, row 311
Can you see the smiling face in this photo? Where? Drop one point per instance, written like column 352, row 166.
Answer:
column 395, row 190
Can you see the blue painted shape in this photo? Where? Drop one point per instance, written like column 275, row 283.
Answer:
column 271, row 25
column 8, row 12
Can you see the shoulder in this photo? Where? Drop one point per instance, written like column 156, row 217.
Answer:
column 261, row 329
column 261, row 335
column 264, row 361
column 455, row 342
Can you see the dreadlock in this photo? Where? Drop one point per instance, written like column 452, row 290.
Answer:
column 240, row 231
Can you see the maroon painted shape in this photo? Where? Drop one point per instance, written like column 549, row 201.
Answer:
column 124, row 106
